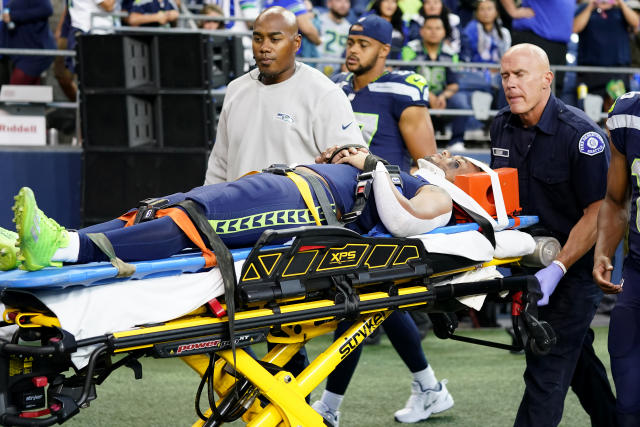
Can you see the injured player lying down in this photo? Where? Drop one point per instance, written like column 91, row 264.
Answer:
column 240, row 211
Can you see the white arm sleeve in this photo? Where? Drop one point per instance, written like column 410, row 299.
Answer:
column 334, row 122
column 217, row 167
column 393, row 215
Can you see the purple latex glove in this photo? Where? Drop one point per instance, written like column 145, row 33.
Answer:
column 548, row 278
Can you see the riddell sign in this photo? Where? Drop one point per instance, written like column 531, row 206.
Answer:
column 22, row 130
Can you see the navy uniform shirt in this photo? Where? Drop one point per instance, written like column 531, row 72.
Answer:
column 378, row 107
column 624, row 126
column 562, row 165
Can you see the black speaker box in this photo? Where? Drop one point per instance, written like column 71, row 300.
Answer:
column 184, row 61
column 101, row 61
column 187, row 120
column 115, row 182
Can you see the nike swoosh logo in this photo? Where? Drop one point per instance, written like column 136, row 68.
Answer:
column 344, row 127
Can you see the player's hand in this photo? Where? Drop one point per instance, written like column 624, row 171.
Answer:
column 548, row 278
column 523, row 12
column 326, row 154
column 602, row 269
column 356, row 159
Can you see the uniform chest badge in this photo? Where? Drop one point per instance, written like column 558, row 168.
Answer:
column 285, row 117
column 591, row 143
column 500, row 152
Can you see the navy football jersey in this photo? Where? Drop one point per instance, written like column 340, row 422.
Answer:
column 624, row 126
column 378, row 108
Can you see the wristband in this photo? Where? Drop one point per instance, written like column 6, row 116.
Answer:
column 561, row 265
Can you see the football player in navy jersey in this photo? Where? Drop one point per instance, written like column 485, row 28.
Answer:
column 614, row 218
column 390, row 107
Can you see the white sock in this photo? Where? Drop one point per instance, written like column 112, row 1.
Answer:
column 71, row 251
column 332, row 400
column 426, row 378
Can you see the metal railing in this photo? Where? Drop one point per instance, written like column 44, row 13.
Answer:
column 323, row 60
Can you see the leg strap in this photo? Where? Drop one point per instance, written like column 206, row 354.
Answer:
column 103, row 243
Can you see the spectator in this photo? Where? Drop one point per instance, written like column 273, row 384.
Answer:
column 334, row 29
column 308, row 49
column 214, row 11
column 544, row 26
column 562, row 158
column 63, row 75
column 247, row 9
column 484, row 39
column 82, row 21
column 30, row 19
column 153, row 13
column 304, row 17
column 389, row 10
column 604, row 28
column 442, row 81
column 451, row 23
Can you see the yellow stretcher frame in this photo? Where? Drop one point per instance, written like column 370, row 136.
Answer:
column 285, row 392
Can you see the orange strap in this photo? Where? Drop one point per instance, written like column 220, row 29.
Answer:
column 184, row 223
column 128, row 218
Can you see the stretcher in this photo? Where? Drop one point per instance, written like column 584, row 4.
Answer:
column 67, row 329
column 286, row 294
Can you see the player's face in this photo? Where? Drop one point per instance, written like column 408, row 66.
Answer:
column 432, row 31
column 432, row 7
column 452, row 165
column 362, row 53
column 388, row 8
column 339, row 8
column 525, row 81
column 486, row 12
column 274, row 47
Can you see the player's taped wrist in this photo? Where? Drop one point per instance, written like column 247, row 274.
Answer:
column 394, row 216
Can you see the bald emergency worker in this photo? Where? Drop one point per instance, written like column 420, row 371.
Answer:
column 281, row 112
column 562, row 158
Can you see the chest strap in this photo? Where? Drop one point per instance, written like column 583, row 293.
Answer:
column 306, row 182
column 365, row 184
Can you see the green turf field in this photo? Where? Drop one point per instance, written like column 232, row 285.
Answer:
column 486, row 385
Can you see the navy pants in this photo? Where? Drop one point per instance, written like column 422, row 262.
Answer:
column 405, row 338
column 624, row 347
column 571, row 362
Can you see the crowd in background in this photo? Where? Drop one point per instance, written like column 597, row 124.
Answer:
column 445, row 31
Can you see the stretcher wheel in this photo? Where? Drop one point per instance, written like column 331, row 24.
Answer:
column 541, row 346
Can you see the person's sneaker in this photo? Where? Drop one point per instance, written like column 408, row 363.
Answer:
column 8, row 250
column 423, row 403
column 332, row 418
column 38, row 236
column 456, row 147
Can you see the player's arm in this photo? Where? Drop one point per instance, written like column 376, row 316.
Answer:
column 612, row 221
column 429, row 208
column 417, row 131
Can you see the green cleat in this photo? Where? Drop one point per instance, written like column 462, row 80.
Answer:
column 39, row 237
column 8, row 250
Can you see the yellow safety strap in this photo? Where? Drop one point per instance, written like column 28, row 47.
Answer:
column 305, row 192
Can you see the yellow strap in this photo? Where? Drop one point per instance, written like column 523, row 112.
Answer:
column 305, row 192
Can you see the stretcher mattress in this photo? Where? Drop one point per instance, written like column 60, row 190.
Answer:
column 162, row 292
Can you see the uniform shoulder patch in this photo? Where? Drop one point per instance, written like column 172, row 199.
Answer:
column 416, row 80
column 591, row 143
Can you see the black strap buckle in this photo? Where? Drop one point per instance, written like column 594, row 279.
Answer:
column 394, row 174
column 278, row 169
column 147, row 209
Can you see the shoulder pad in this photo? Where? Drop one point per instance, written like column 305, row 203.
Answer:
column 626, row 104
column 408, row 78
